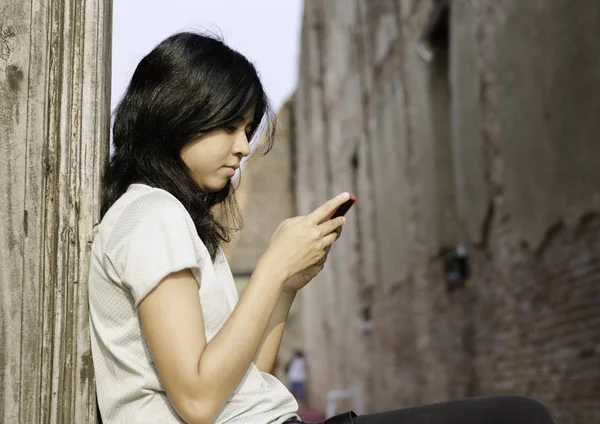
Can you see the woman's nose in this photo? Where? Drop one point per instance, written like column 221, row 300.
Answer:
column 242, row 145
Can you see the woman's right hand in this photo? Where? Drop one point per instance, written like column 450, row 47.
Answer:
column 302, row 241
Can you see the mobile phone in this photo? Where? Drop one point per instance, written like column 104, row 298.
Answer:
column 342, row 209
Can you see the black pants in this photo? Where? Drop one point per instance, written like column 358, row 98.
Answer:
column 506, row 409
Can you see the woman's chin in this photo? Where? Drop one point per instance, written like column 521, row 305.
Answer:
column 213, row 188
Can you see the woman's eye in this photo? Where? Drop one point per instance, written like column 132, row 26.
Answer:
column 230, row 128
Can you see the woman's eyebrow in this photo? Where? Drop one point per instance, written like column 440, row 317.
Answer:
column 239, row 119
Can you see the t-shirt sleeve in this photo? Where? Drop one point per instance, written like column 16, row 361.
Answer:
column 154, row 237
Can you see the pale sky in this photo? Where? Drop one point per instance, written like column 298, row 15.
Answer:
column 267, row 32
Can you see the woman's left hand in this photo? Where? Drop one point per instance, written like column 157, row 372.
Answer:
column 302, row 278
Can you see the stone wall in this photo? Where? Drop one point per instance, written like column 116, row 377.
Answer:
column 485, row 137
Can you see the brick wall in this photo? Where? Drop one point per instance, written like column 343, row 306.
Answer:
column 485, row 138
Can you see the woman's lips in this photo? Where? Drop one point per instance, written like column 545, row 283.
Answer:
column 231, row 169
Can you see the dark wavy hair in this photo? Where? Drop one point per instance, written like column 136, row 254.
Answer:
column 186, row 86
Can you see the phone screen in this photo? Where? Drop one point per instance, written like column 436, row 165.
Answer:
column 342, row 209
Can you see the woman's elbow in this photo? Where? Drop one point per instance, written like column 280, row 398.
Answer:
column 193, row 411
column 198, row 418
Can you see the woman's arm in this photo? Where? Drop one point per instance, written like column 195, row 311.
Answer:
column 265, row 357
column 267, row 353
column 199, row 377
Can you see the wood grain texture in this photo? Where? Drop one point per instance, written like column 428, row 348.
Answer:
column 54, row 117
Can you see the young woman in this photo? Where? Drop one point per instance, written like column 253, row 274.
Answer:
column 171, row 341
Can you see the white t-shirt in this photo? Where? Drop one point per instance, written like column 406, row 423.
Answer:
column 146, row 235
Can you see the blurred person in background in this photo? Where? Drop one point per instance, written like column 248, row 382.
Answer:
column 296, row 375
column 171, row 341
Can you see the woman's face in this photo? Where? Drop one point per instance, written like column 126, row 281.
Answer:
column 215, row 156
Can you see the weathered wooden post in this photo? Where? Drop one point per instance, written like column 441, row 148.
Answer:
column 54, row 116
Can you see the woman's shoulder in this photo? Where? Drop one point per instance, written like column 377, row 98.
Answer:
column 149, row 236
column 146, row 200
column 141, row 202
column 146, row 209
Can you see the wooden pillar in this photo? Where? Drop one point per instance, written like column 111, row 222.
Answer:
column 54, row 142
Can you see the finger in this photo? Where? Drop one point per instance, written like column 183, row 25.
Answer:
column 331, row 225
column 326, row 208
column 322, row 261
column 329, row 239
